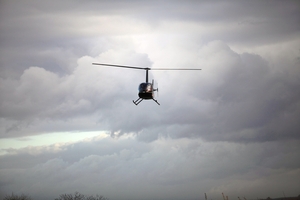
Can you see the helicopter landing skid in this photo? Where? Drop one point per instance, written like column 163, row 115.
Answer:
column 136, row 102
column 139, row 100
column 156, row 102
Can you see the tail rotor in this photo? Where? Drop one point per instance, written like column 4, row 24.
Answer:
column 155, row 89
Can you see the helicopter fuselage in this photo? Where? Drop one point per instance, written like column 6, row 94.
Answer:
column 145, row 91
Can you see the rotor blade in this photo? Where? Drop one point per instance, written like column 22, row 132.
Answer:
column 123, row 66
column 175, row 69
column 145, row 68
column 157, row 89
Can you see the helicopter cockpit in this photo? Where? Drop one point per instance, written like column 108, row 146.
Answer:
column 145, row 91
column 145, row 87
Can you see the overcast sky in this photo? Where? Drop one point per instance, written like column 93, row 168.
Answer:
column 67, row 125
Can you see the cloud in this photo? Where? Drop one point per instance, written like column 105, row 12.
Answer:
column 40, row 95
column 58, row 35
column 117, row 168
column 232, row 127
column 233, row 94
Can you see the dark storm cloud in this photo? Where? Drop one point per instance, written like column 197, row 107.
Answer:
column 251, row 97
column 147, row 168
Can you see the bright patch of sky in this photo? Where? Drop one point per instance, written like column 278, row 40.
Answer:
column 47, row 139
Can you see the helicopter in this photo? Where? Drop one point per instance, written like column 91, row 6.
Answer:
column 146, row 89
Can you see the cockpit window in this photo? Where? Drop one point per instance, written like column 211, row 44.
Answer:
column 145, row 87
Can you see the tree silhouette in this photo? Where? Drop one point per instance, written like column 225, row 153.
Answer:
column 75, row 196
column 16, row 197
column 78, row 196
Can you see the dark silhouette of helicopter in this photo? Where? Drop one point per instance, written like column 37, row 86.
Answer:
column 146, row 89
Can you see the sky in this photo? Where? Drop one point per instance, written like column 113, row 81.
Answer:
column 67, row 125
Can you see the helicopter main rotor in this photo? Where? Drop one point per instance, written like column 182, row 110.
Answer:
column 123, row 66
column 144, row 68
